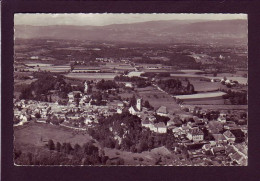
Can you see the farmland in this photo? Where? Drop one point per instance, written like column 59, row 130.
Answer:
column 91, row 76
column 203, row 86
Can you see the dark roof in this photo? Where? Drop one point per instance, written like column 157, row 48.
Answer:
column 238, row 133
column 230, row 150
column 218, row 149
column 218, row 137
column 228, row 134
column 196, row 131
column 162, row 110
column 160, row 124
column 236, row 156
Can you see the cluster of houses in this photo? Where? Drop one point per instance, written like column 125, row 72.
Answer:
column 187, row 129
column 227, row 138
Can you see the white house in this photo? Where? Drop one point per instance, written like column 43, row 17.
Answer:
column 119, row 111
column 129, row 84
column 195, row 135
column 160, row 127
column 222, row 119
column 132, row 110
column 162, row 111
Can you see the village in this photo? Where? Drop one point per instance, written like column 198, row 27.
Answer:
column 206, row 134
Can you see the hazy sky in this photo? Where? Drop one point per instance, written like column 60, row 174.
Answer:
column 106, row 19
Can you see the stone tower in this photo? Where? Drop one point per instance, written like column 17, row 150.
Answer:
column 139, row 104
column 86, row 87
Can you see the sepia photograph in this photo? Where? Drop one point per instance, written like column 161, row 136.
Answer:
column 130, row 89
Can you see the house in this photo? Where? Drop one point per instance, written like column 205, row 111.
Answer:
column 151, row 118
column 218, row 150
column 119, row 110
column 195, row 135
column 229, row 136
column 162, row 111
column 132, row 110
column 160, row 127
column 74, row 94
column 239, row 159
column 215, row 127
column 146, row 123
column 230, row 150
column 222, row 119
column 206, row 147
column 128, row 84
column 241, row 149
column 170, row 123
column 219, row 138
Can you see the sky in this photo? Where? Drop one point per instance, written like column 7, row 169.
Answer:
column 40, row 19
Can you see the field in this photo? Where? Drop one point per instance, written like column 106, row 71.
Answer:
column 20, row 82
column 146, row 157
column 91, row 76
column 205, row 102
column 158, row 98
column 34, row 136
column 203, row 86
column 233, row 77
column 220, row 107
column 31, row 135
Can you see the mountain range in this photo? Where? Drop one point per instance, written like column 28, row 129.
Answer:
column 166, row 31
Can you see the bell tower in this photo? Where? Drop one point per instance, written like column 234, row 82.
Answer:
column 139, row 104
column 86, row 87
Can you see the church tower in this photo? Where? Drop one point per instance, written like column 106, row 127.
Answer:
column 139, row 104
column 86, row 87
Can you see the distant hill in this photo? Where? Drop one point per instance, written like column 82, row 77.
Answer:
column 169, row 31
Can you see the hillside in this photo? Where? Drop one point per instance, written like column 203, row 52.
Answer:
column 173, row 31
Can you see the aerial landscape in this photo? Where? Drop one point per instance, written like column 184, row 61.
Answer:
column 130, row 89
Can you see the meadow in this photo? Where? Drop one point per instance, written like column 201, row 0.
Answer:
column 38, row 134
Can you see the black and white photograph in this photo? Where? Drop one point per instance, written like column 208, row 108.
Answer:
column 130, row 89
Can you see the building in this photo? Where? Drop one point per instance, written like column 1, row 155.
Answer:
column 139, row 104
column 162, row 111
column 229, row 136
column 160, row 127
column 195, row 135
column 219, row 138
column 218, row 150
column 132, row 110
column 215, row 127
column 85, row 87
column 73, row 95
column 128, row 84
column 222, row 119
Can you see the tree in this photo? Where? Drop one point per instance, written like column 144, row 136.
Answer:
column 68, row 148
column 58, row 146
column 133, row 101
column 142, row 146
column 51, row 145
column 77, row 148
